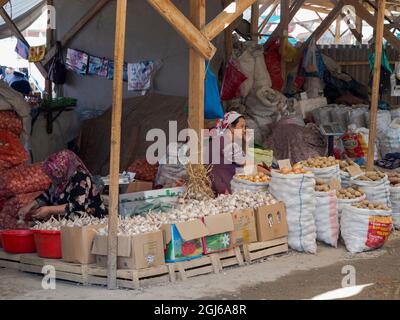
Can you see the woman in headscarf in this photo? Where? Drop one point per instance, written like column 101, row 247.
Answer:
column 72, row 191
column 231, row 133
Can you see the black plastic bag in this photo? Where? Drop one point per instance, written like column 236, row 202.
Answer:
column 57, row 70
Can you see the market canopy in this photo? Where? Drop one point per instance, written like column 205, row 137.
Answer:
column 23, row 13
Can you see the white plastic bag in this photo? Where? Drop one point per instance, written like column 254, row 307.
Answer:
column 247, row 66
column 243, row 185
column 389, row 139
column 326, row 218
column 375, row 191
column 383, row 119
column 297, row 191
column 345, row 179
column 341, row 114
column 357, row 117
column 364, row 229
column 261, row 74
column 395, row 201
column 326, row 174
column 341, row 203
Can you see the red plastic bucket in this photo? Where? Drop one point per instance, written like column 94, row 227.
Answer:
column 18, row 241
column 48, row 243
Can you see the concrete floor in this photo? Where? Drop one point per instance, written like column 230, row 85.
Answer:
column 290, row 276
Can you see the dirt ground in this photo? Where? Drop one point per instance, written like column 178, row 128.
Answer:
column 290, row 276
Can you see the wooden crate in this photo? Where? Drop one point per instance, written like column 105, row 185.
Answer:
column 8, row 260
column 134, row 279
column 63, row 270
column 260, row 250
column 212, row 263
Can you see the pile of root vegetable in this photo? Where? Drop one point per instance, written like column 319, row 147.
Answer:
column 370, row 205
column 74, row 221
column 320, row 162
column 371, row 176
column 349, row 193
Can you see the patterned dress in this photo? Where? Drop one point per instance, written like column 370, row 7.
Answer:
column 80, row 196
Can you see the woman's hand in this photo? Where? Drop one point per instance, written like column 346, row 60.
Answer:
column 42, row 213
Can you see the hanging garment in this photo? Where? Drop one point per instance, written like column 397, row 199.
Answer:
column 141, row 73
column 22, row 49
column 36, row 54
column 98, row 66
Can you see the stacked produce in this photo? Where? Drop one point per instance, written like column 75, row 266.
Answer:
column 296, row 169
column 394, row 179
column 256, row 182
column 375, row 185
column 324, row 168
column 365, row 225
column 19, row 182
column 349, row 193
column 144, row 171
column 344, row 173
column 198, row 186
column 321, row 186
column 55, row 224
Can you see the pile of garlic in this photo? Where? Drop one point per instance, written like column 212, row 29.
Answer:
column 73, row 221
column 133, row 226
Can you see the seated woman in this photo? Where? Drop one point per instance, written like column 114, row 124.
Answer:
column 72, row 191
column 230, row 131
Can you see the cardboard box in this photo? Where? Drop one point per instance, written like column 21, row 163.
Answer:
column 76, row 243
column 183, row 241
column 130, row 202
column 271, row 222
column 138, row 186
column 244, row 222
column 133, row 252
column 219, row 238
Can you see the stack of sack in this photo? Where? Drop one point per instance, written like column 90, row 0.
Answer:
column 20, row 183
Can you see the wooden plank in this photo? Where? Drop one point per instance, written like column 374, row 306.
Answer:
column 154, row 271
column 184, row 27
column 155, row 281
column 76, row 28
column 296, row 6
column 8, row 256
column 199, row 271
column 196, row 262
column 268, row 17
column 315, row 9
column 255, row 16
column 228, row 36
column 196, row 78
column 172, row 275
column 11, row 25
column 119, row 48
column 268, row 252
column 225, row 18
column 182, row 272
column 375, row 83
column 216, row 263
column 284, row 25
column 9, row 264
column 337, row 30
column 3, row 3
column 364, row 14
column 239, row 256
column 262, row 245
column 49, row 44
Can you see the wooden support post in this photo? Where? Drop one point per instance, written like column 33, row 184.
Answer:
column 284, row 22
column 185, row 28
column 225, row 18
column 228, row 36
column 3, row 3
column 11, row 25
column 49, row 44
column 119, row 48
column 255, row 16
column 359, row 26
column 329, row 28
column 375, row 83
column 88, row 16
column 337, row 30
column 196, row 77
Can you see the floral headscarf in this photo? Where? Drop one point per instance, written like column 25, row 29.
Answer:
column 229, row 118
column 60, row 167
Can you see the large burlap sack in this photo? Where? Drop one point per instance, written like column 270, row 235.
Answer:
column 297, row 191
column 326, row 174
column 395, row 201
column 364, row 229
column 375, row 191
column 326, row 218
column 389, row 138
column 247, row 66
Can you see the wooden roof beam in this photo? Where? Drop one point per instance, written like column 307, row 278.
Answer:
column 268, row 17
column 3, row 3
column 225, row 18
column 315, row 9
column 364, row 14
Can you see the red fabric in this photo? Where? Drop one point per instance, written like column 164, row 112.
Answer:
column 10, row 121
column 233, row 78
column 9, row 212
column 23, row 179
column 144, row 171
column 12, row 152
column 273, row 62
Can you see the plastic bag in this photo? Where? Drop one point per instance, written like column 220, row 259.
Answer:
column 243, row 185
column 389, row 139
column 297, row 191
column 233, row 78
column 212, row 102
column 247, row 65
column 23, row 179
column 395, row 201
column 261, row 74
column 341, row 203
column 375, row 191
column 273, row 63
column 310, row 59
column 11, row 122
column 326, row 174
column 12, row 152
column 383, row 120
column 289, row 53
column 364, row 229
column 326, row 218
